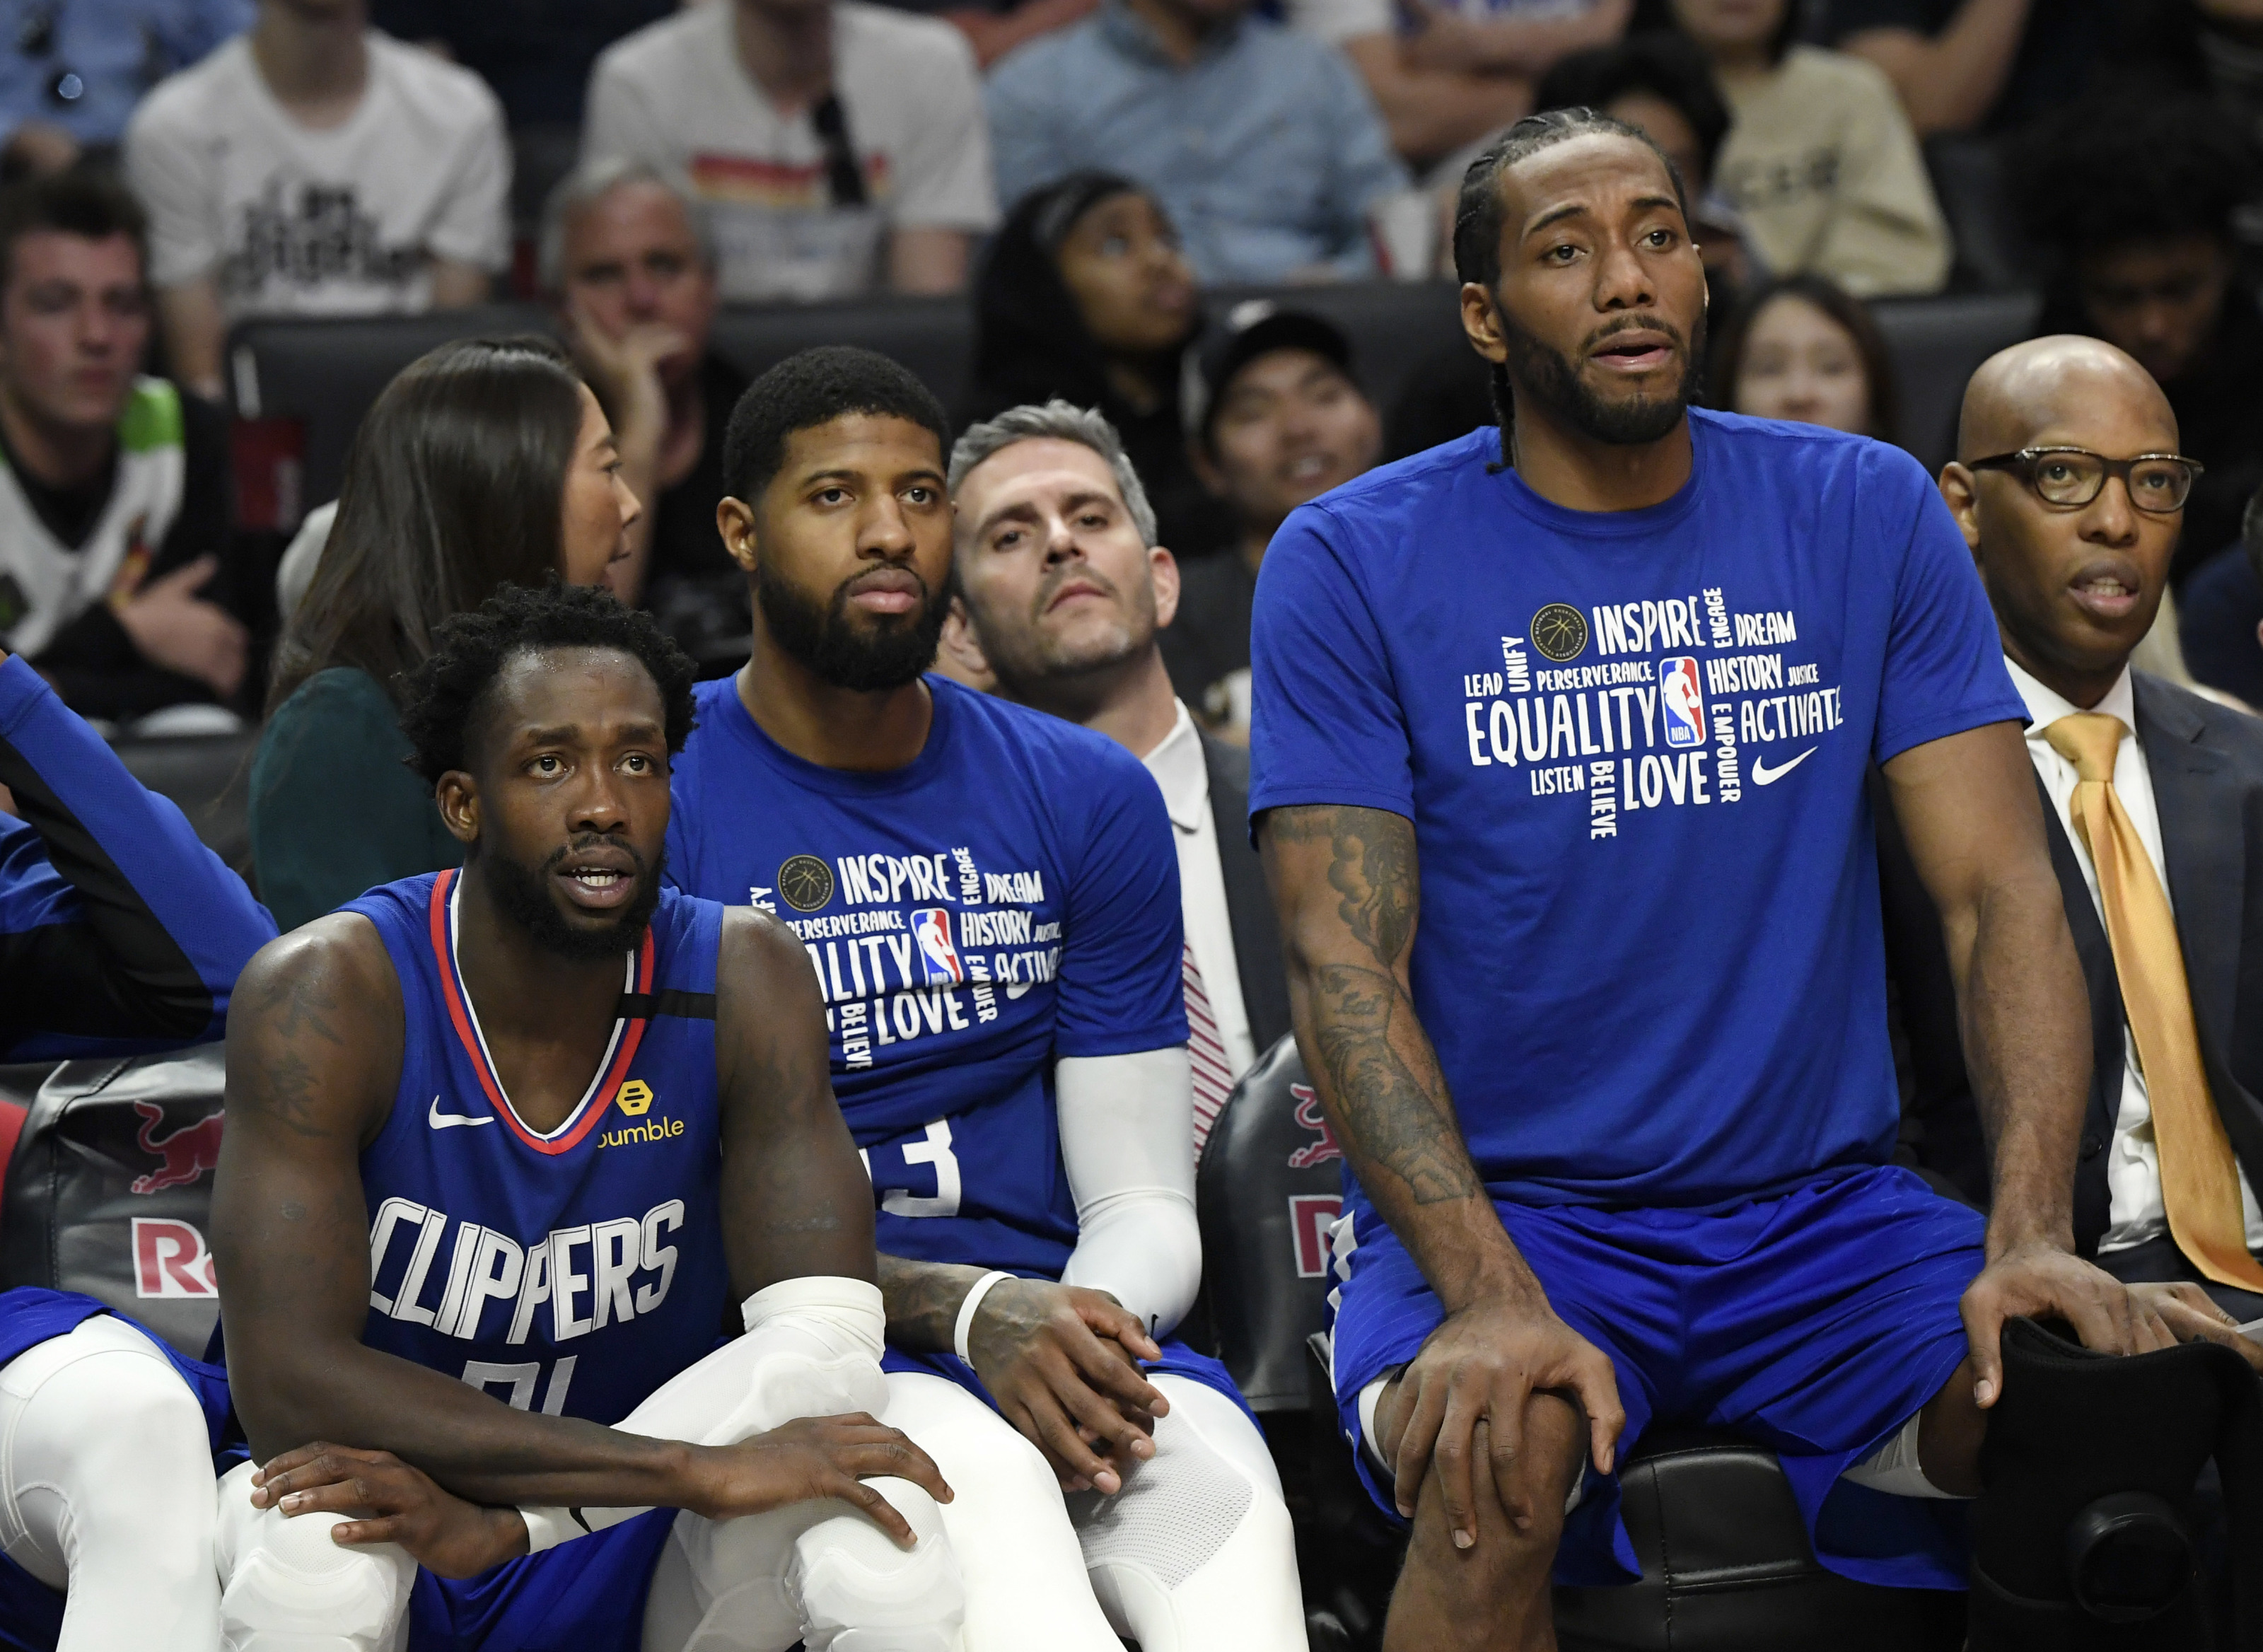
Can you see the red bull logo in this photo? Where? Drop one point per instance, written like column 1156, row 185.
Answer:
column 1309, row 1115
column 171, row 1261
column 183, row 1157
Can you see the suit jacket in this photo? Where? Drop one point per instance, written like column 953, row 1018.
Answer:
column 1249, row 906
column 2207, row 767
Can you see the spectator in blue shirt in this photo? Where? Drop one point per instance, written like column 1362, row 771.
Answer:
column 72, row 73
column 1262, row 145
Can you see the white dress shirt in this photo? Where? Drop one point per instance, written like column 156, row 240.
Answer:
column 2133, row 1165
column 1179, row 769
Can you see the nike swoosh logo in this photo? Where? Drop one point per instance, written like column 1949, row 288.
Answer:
column 447, row 1121
column 1763, row 775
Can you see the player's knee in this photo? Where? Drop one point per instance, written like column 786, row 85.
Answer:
column 286, row 1587
column 861, row 1591
column 136, row 1465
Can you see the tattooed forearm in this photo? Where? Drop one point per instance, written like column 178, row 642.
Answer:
column 1372, row 1061
column 1391, row 1104
column 922, row 1300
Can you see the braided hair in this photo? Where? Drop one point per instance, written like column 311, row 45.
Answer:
column 1478, row 213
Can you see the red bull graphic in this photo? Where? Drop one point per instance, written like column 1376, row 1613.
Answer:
column 1309, row 1115
column 931, row 929
column 170, row 1260
column 183, row 1157
column 1680, row 701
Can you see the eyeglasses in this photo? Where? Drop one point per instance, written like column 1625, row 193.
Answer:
column 2157, row 483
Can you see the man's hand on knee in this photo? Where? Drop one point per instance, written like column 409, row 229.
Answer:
column 1484, row 1364
column 2040, row 1280
column 1061, row 1363
column 389, row 1502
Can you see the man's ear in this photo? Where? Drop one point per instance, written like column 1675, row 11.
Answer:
column 458, row 800
column 958, row 651
column 734, row 523
column 1481, row 322
column 1163, row 572
column 1960, row 492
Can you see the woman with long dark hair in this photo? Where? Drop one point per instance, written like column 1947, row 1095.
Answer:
column 1800, row 348
column 484, row 462
column 1085, row 295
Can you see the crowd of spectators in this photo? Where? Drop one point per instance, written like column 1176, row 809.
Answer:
column 1085, row 174
column 1099, row 186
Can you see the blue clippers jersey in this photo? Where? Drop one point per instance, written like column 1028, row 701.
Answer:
column 1008, row 897
column 573, row 1272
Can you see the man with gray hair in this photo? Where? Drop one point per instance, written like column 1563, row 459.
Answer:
column 627, row 255
column 1062, row 589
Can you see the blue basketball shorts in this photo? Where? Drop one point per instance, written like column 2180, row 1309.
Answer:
column 1815, row 1323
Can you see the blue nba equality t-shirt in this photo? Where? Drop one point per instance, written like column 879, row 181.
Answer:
column 1633, row 746
column 1008, row 897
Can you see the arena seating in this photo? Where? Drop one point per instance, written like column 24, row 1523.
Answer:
column 109, row 1188
column 317, row 378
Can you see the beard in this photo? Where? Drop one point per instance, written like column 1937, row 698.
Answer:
column 828, row 644
column 1552, row 379
column 1040, row 668
column 523, row 892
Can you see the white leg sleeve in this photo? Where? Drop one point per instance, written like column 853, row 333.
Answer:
column 285, row 1587
column 820, row 1573
column 1025, row 1585
column 811, row 1349
column 107, row 1491
column 1197, row 1553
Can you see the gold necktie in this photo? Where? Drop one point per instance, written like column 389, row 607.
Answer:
column 2200, row 1178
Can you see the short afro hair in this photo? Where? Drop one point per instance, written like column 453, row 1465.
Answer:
column 2107, row 171
column 815, row 387
column 442, row 697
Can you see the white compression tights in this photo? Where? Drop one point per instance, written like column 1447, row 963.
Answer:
column 107, row 1491
column 1195, row 1555
column 819, row 1572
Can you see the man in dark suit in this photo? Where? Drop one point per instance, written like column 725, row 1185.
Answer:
column 2069, row 490
column 1061, row 590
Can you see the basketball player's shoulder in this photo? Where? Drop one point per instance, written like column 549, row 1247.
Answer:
column 1389, row 494
column 1804, row 461
column 348, row 948
column 1786, row 443
column 1056, row 759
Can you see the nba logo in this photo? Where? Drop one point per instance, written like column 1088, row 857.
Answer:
column 931, row 927
column 1681, row 705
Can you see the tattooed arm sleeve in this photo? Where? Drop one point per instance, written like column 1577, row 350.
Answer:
column 1345, row 882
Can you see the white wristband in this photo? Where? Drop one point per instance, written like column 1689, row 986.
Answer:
column 966, row 1314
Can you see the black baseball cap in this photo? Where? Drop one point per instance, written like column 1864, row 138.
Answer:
column 1250, row 329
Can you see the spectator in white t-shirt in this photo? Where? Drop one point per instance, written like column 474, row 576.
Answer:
column 1447, row 74
column 841, row 148
column 314, row 167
